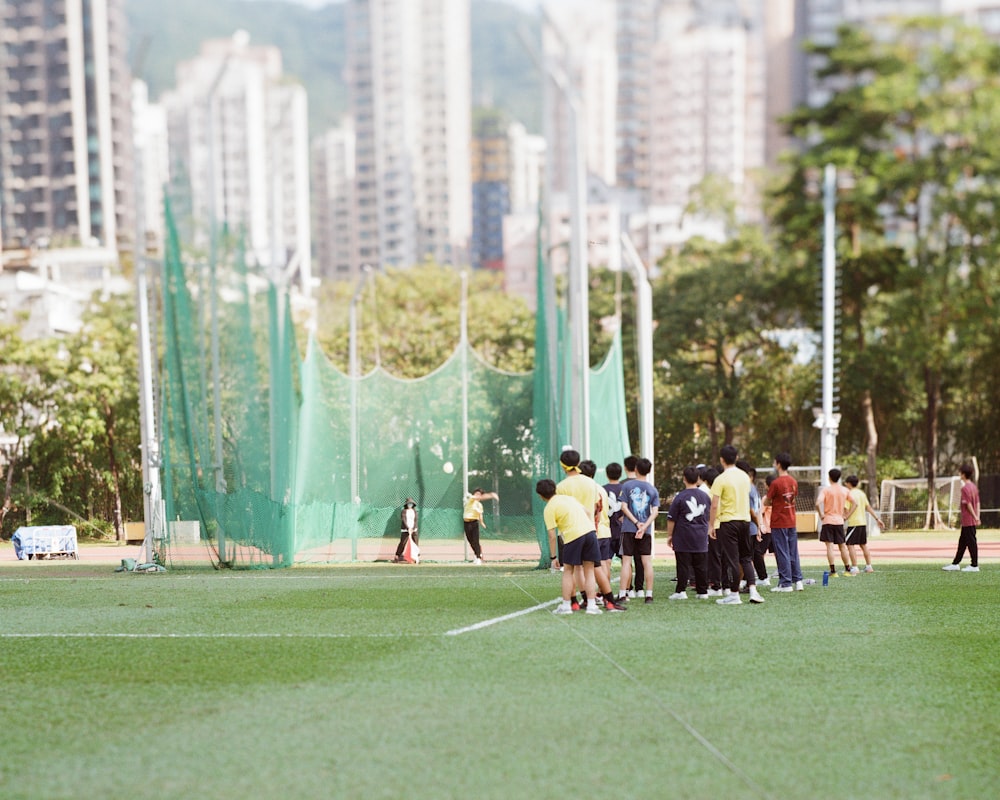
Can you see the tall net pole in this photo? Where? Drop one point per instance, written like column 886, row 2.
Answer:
column 828, row 422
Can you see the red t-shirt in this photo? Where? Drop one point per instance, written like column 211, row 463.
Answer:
column 782, row 493
column 970, row 497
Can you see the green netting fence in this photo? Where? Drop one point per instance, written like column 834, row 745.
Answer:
column 272, row 458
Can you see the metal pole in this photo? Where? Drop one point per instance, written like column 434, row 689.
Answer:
column 220, row 480
column 464, row 345
column 829, row 422
column 152, row 496
column 579, row 297
column 578, row 288
column 354, row 370
column 644, row 340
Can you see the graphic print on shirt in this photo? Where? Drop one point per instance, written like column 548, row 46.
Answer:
column 695, row 509
column 639, row 501
column 614, row 504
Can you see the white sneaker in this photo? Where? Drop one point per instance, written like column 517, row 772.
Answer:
column 477, row 561
column 755, row 595
column 631, row 594
column 715, row 592
column 703, row 596
column 764, row 582
column 640, row 593
column 868, row 568
column 854, row 570
column 678, row 596
column 593, row 609
column 951, row 568
column 727, row 592
column 798, row 586
column 970, row 568
column 782, row 589
column 561, row 609
column 730, row 600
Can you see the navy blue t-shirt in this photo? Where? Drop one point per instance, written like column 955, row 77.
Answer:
column 689, row 511
column 615, row 496
column 641, row 497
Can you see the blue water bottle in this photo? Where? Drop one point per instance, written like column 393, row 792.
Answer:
column 826, row 577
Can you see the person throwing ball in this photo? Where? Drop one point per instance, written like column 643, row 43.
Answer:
column 472, row 518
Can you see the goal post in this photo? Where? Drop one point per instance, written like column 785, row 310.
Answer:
column 906, row 506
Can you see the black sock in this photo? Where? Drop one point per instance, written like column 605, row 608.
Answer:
column 833, row 570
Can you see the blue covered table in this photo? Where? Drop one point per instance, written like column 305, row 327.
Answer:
column 45, row 541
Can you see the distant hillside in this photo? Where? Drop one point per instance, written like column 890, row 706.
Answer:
column 312, row 42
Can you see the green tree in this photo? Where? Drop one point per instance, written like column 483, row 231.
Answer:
column 914, row 122
column 28, row 405
column 88, row 460
column 718, row 308
column 409, row 322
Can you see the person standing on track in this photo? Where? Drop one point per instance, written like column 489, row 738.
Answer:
column 970, row 519
column 472, row 518
column 856, row 524
column 831, row 503
column 729, row 522
column 780, row 498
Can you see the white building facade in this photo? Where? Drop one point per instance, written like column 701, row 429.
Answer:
column 239, row 150
column 409, row 76
column 65, row 123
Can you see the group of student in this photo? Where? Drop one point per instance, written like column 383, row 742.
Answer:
column 588, row 524
column 718, row 526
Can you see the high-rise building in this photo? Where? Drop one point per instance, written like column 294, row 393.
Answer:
column 580, row 41
column 409, row 81
column 333, row 184
column 708, row 115
column 239, row 150
column 491, row 169
column 636, row 36
column 65, row 123
column 152, row 165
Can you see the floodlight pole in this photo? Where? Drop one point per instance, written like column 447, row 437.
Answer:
column 578, row 300
column 828, row 421
column 220, row 480
column 355, row 375
column 464, row 345
column 644, row 336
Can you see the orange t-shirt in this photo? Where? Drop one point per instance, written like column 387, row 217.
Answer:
column 833, row 498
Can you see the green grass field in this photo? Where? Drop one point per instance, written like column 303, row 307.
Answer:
column 373, row 682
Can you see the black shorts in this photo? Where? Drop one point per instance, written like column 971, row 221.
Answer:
column 857, row 534
column 636, row 547
column 605, row 545
column 832, row 533
column 584, row 548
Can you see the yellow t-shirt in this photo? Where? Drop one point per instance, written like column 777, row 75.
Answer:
column 584, row 489
column 566, row 514
column 860, row 500
column 732, row 488
column 473, row 509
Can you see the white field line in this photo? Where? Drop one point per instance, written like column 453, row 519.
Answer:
column 496, row 620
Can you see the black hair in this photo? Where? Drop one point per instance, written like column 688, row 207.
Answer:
column 545, row 488
column 613, row 471
column 588, row 468
column 784, row 459
column 834, row 475
column 569, row 458
column 728, row 454
column 691, row 474
column 643, row 466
